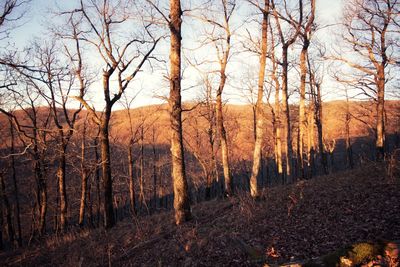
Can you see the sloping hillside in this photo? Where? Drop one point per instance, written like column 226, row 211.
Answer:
column 295, row 222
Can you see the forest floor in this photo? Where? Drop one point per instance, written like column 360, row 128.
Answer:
column 297, row 222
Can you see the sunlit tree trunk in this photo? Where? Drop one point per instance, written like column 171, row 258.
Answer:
column 84, row 178
column 317, row 102
column 257, row 154
column 310, row 137
column 108, row 208
column 371, row 32
column 224, row 143
column 302, row 106
column 286, row 43
column 306, row 35
column 287, row 133
column 62, row 186
column 380, row 120
column 276, row 111
column 318, row 119
column 181, row 196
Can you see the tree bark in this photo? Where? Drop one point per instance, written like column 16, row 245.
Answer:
column 285, row 97
column 276, row 112
column 181, row 196
column 108, row 209
column 6, row 203
column 322, row 152
column 131, row 180
column 142, row 200
column 302, row 106
column 84, row 179
column 287, row 133
column 97, row 158
column 154, row 171
column 310, row 136
column 42, row 196
column 257, row 155
column 224, row 144
column 16, row 192
column 62, row 187
column 380, row 120
column 223, row 61
column 306, row 36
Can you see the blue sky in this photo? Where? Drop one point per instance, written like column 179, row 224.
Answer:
column 40, row 12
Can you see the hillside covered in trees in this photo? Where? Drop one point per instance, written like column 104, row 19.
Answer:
column 210, row 132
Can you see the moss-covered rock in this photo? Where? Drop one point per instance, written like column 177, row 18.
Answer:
column 354, row 255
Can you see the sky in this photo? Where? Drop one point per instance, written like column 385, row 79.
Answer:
column 40, row 12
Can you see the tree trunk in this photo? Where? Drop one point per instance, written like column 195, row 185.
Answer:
column 286, row 117
column 62, row 188
column 89, row 202
column 318, row 119
column 108, row 209
column 276, row 113
column 131, row 180
column 224, row 145
column 142, row 199
column 310, row 139
column 303, row 73
column 254, row 110
column 213, row 174
column 6, row 203
column 380, row 123
column 42, row 195
column 16, row 192
column 257, row 155
column 84, row 178
column 181, row 196
column 96, row 153
column 154, row 172
column 349, row 150
column 302, row 106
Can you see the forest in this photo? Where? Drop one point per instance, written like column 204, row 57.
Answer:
column 199, row 133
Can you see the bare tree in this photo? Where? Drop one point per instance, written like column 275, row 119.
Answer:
column 119, row 54
column 286, row 41
column 306, row 33
column 369, row 32
column 14, row 179
column 84, row 175
column 33, row 132
column 8, row 15
column 217, row 14
column 316, row 81
column 257, row 154
column 181, row 196
column 276, row 109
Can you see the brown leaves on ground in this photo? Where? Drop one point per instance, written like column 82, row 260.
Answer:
column 291, row 223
